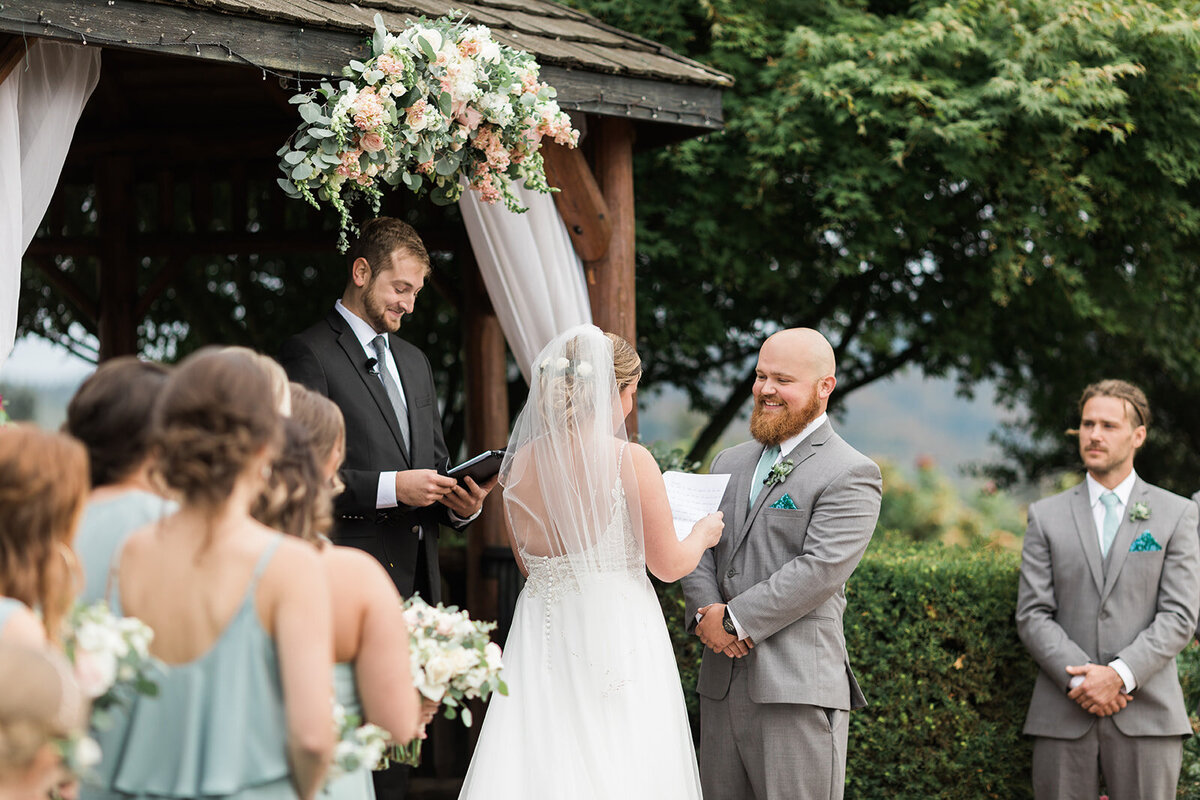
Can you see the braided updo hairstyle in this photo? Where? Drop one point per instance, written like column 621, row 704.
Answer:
column 43, row 486
column 214, row 417
column 40, row 704
column 296, row 500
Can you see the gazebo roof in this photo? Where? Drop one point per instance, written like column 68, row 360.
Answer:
column 596, row 68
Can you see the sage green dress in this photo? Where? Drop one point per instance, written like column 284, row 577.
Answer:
column 104, row 528
column 7, row 607
column 217, row 728
column 355, row 785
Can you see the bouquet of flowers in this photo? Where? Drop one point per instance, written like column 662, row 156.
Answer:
column 358, row 745
column 111, row 657
column 440, row 104
column 453, row 660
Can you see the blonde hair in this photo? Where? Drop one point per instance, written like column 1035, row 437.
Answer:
column 43, row 486
column 1121, row 390
column 296, row 499
column 627, row 364
column 40, row 704
column 280, row 390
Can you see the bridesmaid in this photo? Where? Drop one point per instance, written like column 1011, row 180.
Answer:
column 41, row 705
column 43, row 484
column 240, row 613
column 111, row 414
column 370, row 637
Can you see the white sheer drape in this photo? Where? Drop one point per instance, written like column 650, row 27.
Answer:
column 532, row 274
column 40, row 103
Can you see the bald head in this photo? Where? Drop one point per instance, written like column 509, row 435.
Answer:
column 805, row 350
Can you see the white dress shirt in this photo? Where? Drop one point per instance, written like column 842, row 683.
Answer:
column 785, row 447
column 385, row 493
column 1122, row 490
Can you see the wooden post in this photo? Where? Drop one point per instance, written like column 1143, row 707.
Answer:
column 117, row 274
column 487, row 429
column 611, row 278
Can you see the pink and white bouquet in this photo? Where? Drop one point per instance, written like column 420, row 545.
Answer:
column 436, row 106
column 453, row 659
column 111, row 657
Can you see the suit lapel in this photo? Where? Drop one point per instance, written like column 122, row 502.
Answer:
column 798, row 455
column 1123, row 540
column 374, row 387
column 1085, row 526
column 742, row 472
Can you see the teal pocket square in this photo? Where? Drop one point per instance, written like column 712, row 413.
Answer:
column 1144, row 544
column 784, row 502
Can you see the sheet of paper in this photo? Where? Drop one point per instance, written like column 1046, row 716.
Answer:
column 692, row 497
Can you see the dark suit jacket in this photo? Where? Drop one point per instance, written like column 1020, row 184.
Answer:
column 328, row 358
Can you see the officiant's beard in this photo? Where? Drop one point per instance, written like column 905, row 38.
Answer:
column 777, row 427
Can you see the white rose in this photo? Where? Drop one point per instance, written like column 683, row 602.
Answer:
column 430, row 37
column 439, row 670
column 562, row 363
column 94, row 672
column 87, row 753
column 493, row 654
column 584, row 369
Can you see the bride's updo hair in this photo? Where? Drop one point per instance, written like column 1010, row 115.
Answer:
column 214, row 416
column 40, row 705
column 43, row 486
column 627, row 364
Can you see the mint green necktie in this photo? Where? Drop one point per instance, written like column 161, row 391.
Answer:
column 765, row 462
column 1112, row 521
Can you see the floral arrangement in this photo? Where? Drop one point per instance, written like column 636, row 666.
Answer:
column 1138, row 511
column 778, row 473
column 111, row 658
column 440, row 104
column 453, row 660
column 358, row 745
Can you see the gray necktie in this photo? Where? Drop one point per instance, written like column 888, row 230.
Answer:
column 1112, row 520
column 765, row 462
column 389, row 385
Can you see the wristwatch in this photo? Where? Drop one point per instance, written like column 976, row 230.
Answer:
column 727, row 623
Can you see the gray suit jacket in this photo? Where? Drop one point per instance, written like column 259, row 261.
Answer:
column 783, row 571
column 1140, row 606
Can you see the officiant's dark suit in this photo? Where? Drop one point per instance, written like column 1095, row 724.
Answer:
column 1109, row 596
column 345, row 365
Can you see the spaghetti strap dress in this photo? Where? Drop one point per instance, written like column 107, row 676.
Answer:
column 355, row 785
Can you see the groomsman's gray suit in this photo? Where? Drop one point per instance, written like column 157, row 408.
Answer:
column 1074, row 607
column 774, row 723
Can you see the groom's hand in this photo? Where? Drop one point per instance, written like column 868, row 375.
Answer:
column 417, row 488
column 710, row 630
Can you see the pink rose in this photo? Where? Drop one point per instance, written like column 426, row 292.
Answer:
column 371, row 142
column 94, row 672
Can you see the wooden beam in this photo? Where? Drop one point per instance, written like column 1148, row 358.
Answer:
column 611, row 278
column 12, row 53
column 292, row 49
column 65, row 285
column 580, row 202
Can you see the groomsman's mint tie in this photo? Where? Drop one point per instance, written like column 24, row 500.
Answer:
column 769, row 457
column 1112, row 520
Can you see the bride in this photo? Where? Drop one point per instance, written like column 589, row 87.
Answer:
column 594, row 709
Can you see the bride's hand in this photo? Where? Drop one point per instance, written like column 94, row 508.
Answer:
column 709, row 528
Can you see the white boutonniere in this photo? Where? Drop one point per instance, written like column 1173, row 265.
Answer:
column 778, row 473
column 1139, row 511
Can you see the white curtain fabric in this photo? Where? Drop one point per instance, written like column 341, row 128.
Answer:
column 532, row 274
column 40, row 103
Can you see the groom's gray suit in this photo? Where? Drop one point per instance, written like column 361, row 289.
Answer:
column 774, row 723
column 1075, row 607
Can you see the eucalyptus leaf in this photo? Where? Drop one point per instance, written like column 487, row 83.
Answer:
column 302, row 172
column 446, row 167
column 444, row 195
column 357, row 66
column 320, row 133
column 373, row 76
column 295, row 157
column 288, row 187
column 297, row 99
column 310, row 112
column 412, row 180
column 425, row 47
column 444, row 104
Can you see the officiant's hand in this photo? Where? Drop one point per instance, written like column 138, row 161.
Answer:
column 467, row 500
column 418, row 488
column 1102, row 690
column 711, row 631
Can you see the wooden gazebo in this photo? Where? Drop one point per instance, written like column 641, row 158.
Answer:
column 192, row 104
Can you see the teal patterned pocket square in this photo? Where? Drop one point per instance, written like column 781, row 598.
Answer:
column 784, row 502
column 1144, row 544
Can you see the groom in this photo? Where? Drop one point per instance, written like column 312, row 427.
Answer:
column 775, row 682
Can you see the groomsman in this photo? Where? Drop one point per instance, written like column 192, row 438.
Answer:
column 775, row 682
column 1109, row 595
column 396, row 491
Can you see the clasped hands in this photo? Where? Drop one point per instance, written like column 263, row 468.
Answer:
column 1102, row 690
column 712, row 633
column 418, row 488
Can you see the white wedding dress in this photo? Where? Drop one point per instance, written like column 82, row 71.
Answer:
column 594, row 709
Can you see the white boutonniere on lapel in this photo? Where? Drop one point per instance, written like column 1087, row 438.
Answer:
column 1139, row 511
column 778, row 473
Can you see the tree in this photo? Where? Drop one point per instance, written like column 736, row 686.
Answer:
column 1002, row 190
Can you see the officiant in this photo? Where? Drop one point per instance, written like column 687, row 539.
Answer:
column 397, row 493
